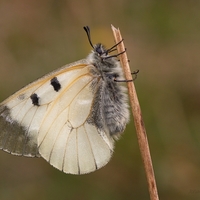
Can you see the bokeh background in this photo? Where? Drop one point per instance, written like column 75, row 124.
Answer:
column 162, row 40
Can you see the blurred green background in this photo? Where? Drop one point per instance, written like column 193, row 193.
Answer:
column 163, row 41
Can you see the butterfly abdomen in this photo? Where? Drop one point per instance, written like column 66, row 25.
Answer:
column 115, row 108
column 110, row 108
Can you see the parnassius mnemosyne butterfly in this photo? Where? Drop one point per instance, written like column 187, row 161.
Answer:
column 71, row 116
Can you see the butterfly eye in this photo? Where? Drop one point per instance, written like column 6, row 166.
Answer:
column 99, row 50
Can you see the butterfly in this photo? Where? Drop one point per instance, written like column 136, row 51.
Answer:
column 72, row 116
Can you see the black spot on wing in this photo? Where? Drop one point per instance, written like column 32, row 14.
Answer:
column 55, row 83
column 21, row 97
column 35, row 99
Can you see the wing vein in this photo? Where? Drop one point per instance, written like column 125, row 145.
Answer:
column 90, row 147
column 63, row 165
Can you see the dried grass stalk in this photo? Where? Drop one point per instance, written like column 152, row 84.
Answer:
column 137, row 115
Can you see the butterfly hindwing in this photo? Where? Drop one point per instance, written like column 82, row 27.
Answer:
column 69, row 148
column 49, row 118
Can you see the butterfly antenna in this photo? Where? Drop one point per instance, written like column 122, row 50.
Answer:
column 87, row 30
column 111, row 49
column 115, row 54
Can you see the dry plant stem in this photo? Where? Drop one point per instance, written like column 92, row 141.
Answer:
column 139, row 124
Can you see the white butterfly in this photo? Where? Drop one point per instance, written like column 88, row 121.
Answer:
column 69, row 117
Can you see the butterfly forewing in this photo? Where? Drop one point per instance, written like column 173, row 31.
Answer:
column 20, row 119
column 49, row 118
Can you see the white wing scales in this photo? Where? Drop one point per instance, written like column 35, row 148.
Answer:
column 57, row 127
column 102, row 151
column 85, row 154
column 80, row 107
column 70, row 142
column 47, row 94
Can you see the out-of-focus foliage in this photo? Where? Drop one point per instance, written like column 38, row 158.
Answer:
column 162, row 40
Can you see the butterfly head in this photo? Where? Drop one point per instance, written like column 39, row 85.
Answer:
column 98, row 49
column 106, row 64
